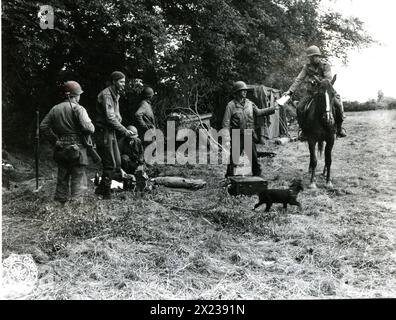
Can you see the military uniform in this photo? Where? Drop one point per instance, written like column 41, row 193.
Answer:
column 145, row 119
column 132, row 154
column 309, row 75
column 64, row 127
column 108, row 122
column 241, row 116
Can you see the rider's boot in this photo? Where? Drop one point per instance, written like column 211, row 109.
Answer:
column 302, row 136
column 341, row 133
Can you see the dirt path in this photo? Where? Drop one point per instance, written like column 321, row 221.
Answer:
column 209, row 245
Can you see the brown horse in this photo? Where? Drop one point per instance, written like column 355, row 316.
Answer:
column 320, row 128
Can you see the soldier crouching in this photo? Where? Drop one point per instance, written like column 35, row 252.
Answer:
column 132, row 152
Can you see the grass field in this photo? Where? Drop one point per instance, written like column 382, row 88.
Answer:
column 208, row 245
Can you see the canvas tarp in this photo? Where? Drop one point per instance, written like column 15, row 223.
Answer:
column 272, row 126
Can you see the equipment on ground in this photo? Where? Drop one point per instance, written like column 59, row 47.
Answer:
column 246, row 185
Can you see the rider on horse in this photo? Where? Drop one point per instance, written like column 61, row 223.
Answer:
column 312, row 73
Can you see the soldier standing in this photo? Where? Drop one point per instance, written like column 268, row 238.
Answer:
column 239, row 114
column 65, row 125
column 145, row 119
column 315, row 70
column 108, row 122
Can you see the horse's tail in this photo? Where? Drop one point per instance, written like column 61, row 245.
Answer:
column 320, row 148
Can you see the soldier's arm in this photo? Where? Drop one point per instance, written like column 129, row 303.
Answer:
column 140, row 118
column 46, row 128
column 111, row 116
column 327, row 72
column 85, row 122
column 140, row 151
column 263, row 112
column 227, row 117
column 297, row 82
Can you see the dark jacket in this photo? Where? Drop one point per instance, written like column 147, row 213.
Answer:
column 133, row 148
column 63, row 124
column 308, row 73
column 108, row 112
column 145, row 119
column 238, row 116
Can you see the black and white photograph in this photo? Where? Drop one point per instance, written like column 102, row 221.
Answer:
column 218, row 151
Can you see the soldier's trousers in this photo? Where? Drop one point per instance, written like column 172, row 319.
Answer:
column 302, row 111
column 71, row 182
column 107, row 148
column 256, row 168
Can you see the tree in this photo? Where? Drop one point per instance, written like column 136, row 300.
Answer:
column 189, row 51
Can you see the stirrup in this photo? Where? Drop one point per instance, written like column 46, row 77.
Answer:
column 301, row 136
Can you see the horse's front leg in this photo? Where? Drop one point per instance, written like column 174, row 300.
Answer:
column 328, row 149
column 312, row 162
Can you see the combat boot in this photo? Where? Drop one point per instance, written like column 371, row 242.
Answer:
column 99, row 188
column 106, row 188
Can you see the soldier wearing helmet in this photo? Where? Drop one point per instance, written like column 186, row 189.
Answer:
column 315, row 69
column 240, row 113
column 132, row 152
column 144, row 116
column 64, row 125
column 108, row 122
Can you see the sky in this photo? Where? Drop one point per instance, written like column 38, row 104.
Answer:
column 374, row 68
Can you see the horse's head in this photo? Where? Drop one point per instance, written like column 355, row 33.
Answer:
column 324, row 101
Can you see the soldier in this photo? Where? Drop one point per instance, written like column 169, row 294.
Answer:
column 145, row 119
column 132, row 152
column 65, row 125
column 315, row 70
column 108, row 122
column 239, row 114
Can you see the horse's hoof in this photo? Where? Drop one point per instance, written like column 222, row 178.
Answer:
column 329, row 185
column 313, row 186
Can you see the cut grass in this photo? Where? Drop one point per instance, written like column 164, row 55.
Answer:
column 209, row 245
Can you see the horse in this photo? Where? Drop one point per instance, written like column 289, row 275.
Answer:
column 320, row 128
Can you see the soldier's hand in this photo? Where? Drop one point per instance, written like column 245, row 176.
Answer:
column 129, row 134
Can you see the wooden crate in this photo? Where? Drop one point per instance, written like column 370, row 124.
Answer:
column 247, row 185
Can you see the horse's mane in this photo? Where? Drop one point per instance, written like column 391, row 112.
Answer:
column 316, row 119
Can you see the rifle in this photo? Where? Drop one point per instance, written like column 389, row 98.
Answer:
column 331, row 81
column 87, row 141
column 37, row 145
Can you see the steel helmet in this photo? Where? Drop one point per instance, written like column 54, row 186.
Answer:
column 238, row 86
column 313, row 51
column 148, row 92
column 117, row 75
column 72, row 88
column 133, row 130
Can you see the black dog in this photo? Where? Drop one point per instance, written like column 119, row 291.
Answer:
column 285, row 196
